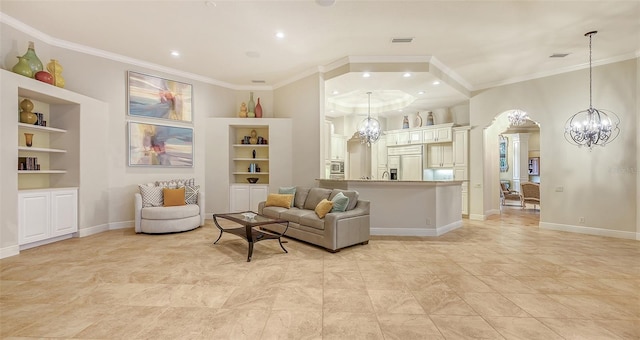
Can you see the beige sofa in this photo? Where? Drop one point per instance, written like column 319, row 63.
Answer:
column 335, row 231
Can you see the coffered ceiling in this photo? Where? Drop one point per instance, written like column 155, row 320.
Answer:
column 234, row 43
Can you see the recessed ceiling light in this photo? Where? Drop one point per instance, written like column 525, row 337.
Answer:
column 175, row 53
column 325, row 3
column 407, row 75
column 437, row 82
column 366, row 75
column 210, row 4
column 335, row 92
column 421, row 92
column 280, row 35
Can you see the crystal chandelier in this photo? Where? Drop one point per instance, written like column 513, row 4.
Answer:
column 591, row 126
column 369, row 129
column 517, row 117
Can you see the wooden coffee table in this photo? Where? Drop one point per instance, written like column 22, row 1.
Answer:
column 248, row 231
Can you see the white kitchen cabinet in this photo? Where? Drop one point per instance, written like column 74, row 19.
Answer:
column 461, row 154
column 465, row 198
column 338, row 147
column 415, row 137
column 440, row 155
column 47, row 214
column 381, row 151
column 397, row 138
column 246, row 197
column 437, row 135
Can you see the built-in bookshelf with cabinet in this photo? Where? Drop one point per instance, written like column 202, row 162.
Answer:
column 250, row 155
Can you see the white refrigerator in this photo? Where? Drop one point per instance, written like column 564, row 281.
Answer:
column 408, row 161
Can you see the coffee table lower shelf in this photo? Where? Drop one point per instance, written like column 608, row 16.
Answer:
column 247, row 230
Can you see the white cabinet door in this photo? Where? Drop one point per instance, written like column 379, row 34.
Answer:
column 33, row 216
column 411, row 168
column 382, row 153
column 64, row 212
column 440, row 155
column 258, row 193
column 338, row 147
column 460, row 148
column 437, row 135
column 465, row 198
column 403, row 138
column 415, row 137
column 239, row 198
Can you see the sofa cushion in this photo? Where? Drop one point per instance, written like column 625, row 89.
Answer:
column 273, row 212
column 301, row 196
column 352, row 194
column 315, row 196
column 288, row 191
column 294, row 214
column 165, row 213
column 191, row 194
column 279, row 200
column 340, row 202
column 312, row 221
column 151, row 196
column 323, row 208
column 173, row 197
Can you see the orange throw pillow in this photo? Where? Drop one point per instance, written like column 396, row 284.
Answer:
column 173, row 197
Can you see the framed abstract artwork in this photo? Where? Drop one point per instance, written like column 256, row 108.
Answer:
column 154, row 97
column 160, row 145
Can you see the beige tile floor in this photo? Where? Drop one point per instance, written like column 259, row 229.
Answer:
column 498, row 279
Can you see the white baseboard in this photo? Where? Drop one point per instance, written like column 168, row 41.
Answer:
column 415, row 231
column 492, row 212
column 43, row 242
column 9, row 251
column 121, row 225
column 477, row 217
column 449, row 227
column 590, row 230
column 84, row 232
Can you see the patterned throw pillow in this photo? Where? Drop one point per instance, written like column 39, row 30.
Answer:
column 172, row 184
column 151, row 196
column 191, row 194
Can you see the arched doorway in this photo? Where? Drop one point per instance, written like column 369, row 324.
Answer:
column 512, row 157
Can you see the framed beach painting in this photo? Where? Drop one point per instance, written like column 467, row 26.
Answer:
column 160, row 145
column 154, row 97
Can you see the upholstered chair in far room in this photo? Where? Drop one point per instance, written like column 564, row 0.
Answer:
column 506, row 194
column 530, row 194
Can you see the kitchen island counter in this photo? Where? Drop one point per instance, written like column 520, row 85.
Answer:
column 407, row 208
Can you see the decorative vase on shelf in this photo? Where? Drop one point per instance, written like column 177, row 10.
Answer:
column 28, row 139
column 430, row 118
column 23, row 68
column 405, row 122
column 56, row 70
column 32, row 59
column 252, row 105
column 258, row 109
column 26, row 116
column 44, row 77
column 418, row 120
column 243, row 110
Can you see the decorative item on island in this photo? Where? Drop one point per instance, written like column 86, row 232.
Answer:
column 243, row 110
column 26, row 116
column 56, row 70
column 252, row 107
column 430, row 118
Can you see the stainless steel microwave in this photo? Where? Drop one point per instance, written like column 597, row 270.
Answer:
column 337, row 167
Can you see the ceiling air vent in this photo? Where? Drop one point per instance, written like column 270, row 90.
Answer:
column 401, row 40
column 558, row 55
column 258, row 81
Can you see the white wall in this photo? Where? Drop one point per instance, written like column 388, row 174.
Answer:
column 592, row 181
column 106, row 80
column 300, row 101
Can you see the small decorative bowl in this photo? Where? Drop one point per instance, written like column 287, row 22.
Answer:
column 249, row 215
column 252, row 179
